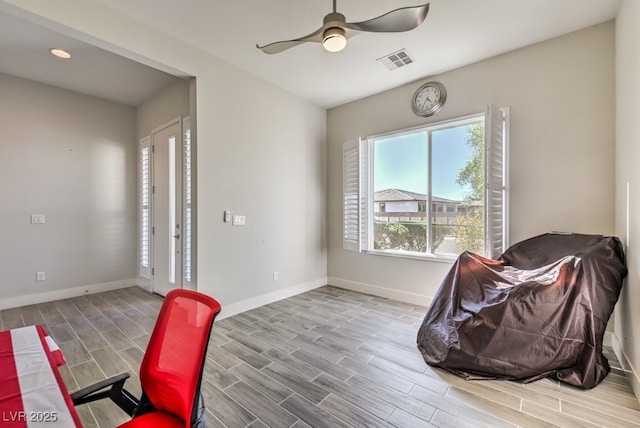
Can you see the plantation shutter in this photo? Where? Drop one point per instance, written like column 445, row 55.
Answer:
column 365, row 197
column 145, row 207
column 495, row 161
column 355, row 158
column 187, row 191
column 351, row 195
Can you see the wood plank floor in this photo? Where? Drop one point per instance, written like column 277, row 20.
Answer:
column 326, row 358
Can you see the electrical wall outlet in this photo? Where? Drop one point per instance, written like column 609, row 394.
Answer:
column 275, row 275
column 40, row 276
column 238, row 220
column 227, row 216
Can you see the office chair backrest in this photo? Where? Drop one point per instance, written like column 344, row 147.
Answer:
column 171, row 369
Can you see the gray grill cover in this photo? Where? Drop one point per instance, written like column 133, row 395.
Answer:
column 540, row 310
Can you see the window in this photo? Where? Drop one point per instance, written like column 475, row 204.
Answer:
column 456, row 168
column 145, row 207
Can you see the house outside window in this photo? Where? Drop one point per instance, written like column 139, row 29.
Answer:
column 441, row 166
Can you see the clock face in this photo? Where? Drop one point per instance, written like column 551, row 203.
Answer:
column 429, row 99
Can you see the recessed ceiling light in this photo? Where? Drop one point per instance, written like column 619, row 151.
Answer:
column 60, row 53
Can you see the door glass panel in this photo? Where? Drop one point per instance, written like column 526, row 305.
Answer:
column 172, row 210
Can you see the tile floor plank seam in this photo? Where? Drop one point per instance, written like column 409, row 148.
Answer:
column 351, row 359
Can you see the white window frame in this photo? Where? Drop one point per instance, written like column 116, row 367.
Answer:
column 358, row 192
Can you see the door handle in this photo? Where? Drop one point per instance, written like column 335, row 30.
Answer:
column 177, row 236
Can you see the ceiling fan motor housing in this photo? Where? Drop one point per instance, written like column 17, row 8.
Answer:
column 334, row 19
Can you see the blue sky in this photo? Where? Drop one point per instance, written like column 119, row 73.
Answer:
column 401, row 162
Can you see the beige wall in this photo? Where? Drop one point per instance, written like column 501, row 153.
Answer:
column 627, row 326
column 261, row 153
column 72, row 158
column 560, row 93
column 168, row 104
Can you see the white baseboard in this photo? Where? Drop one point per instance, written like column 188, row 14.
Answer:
column 402, row 296
column 145, row 284
column 632, row 373
column 66, row 293
column 265, row 299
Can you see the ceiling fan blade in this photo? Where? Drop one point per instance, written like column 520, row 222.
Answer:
column 277, row 47
column 396, row 21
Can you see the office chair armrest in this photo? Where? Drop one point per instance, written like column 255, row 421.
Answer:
column 112, row 388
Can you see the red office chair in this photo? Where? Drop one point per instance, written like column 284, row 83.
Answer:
column 171, row 370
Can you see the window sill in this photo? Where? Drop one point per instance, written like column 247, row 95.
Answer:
column 414, row 256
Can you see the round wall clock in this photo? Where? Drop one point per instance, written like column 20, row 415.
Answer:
column 429, row 99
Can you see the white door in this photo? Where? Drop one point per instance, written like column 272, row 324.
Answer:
column 167, row 208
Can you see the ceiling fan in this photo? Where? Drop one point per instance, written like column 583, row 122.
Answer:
column 335, row 30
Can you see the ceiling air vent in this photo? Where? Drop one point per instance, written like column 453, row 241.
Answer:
column 396, row 60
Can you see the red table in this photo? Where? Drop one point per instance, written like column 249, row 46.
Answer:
column 32, row 391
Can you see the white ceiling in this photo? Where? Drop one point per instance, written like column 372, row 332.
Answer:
column 24, row 49
column 455, row 33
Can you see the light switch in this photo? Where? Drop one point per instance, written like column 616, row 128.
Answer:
column 37, row 218
column 227, row 216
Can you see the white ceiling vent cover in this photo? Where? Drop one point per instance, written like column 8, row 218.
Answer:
column 396, row 60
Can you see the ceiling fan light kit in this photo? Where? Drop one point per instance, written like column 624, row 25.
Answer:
column 336, row 30
column 334, row 39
